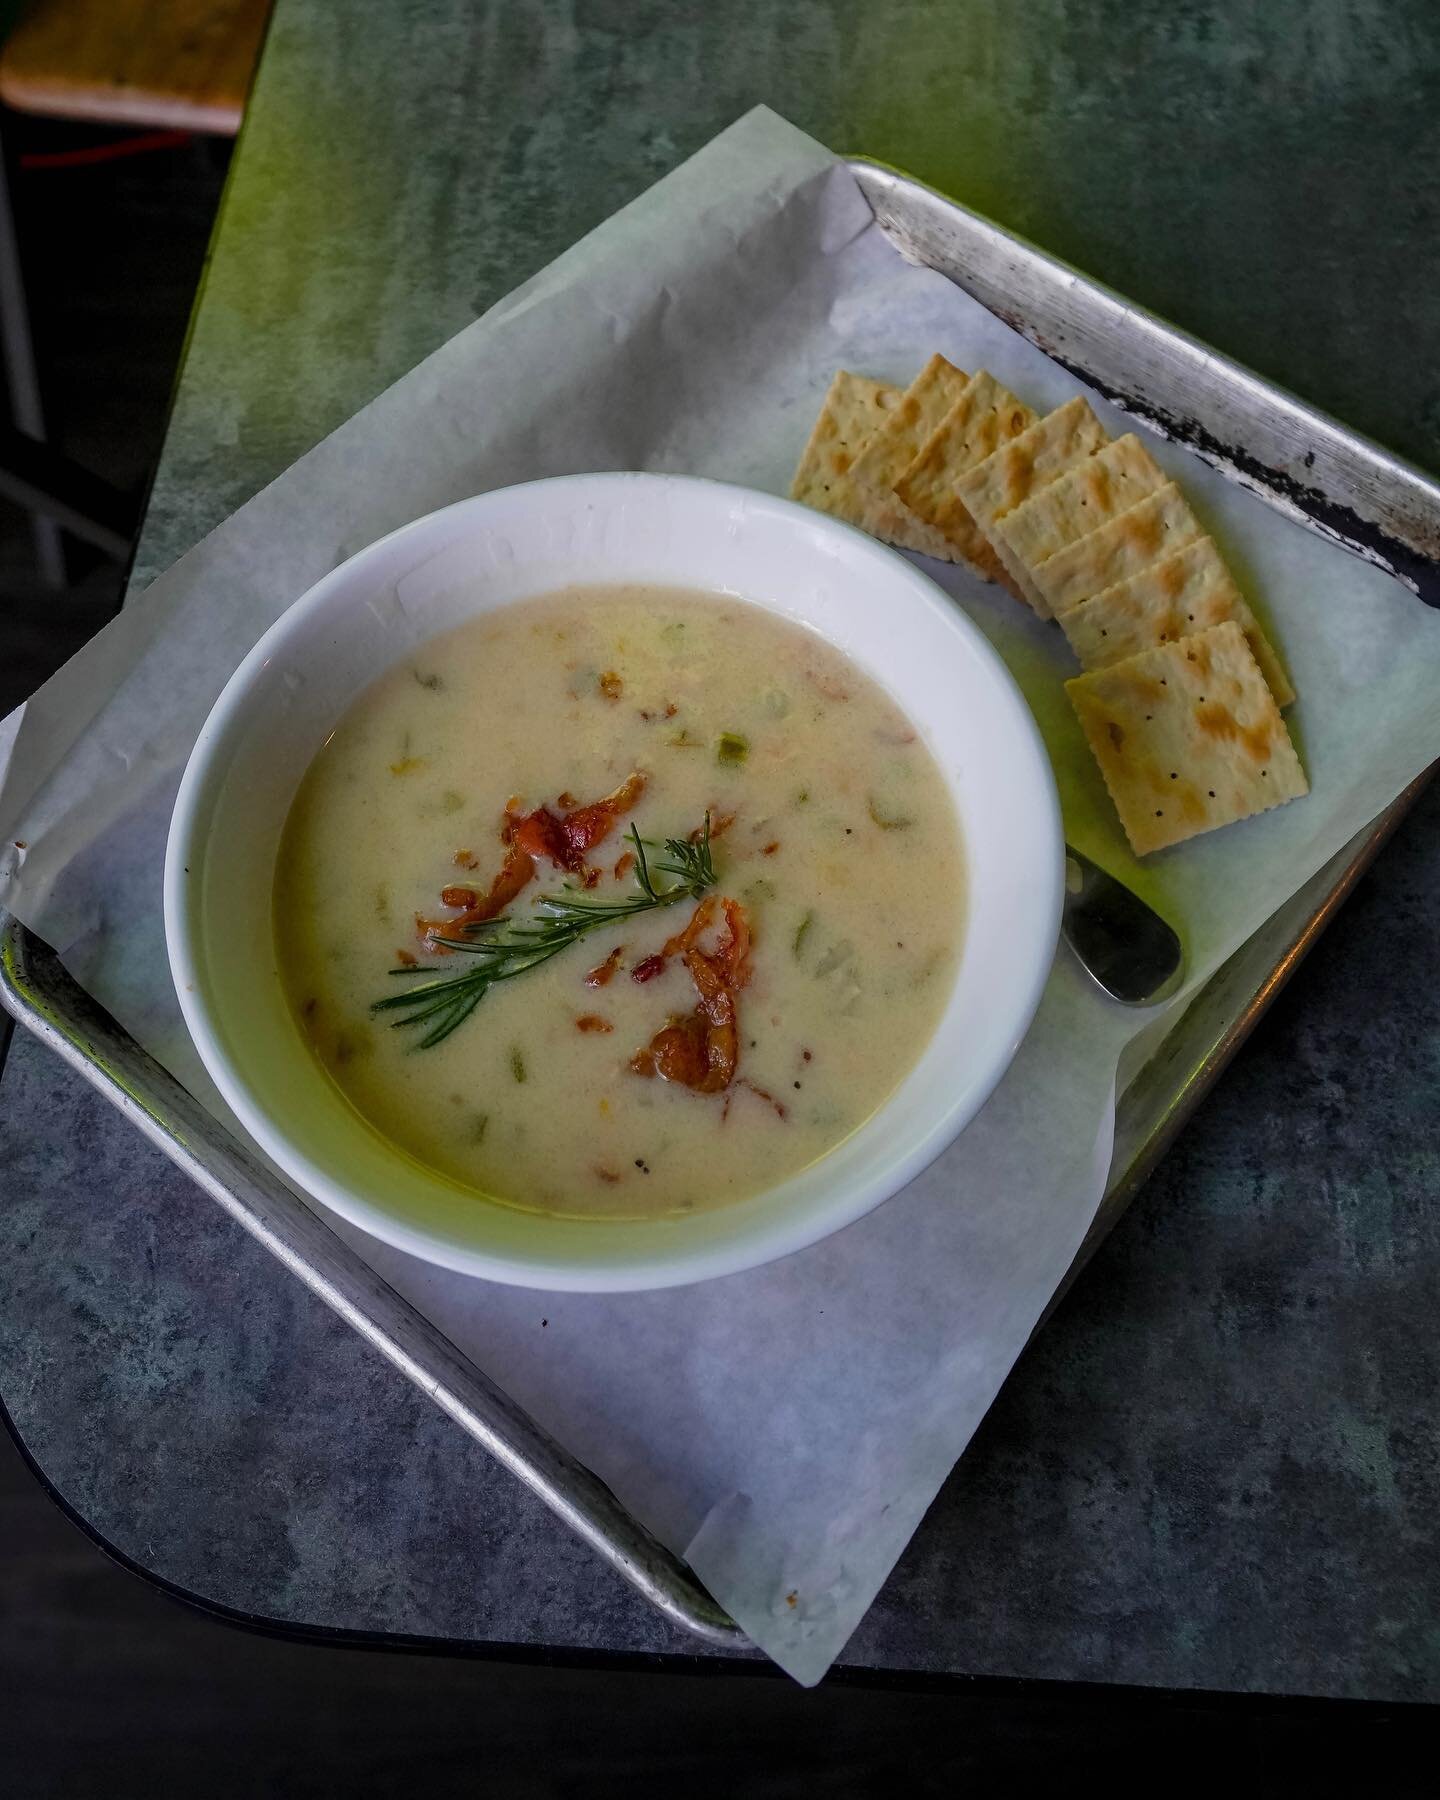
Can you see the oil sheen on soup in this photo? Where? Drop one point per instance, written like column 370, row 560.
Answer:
column 670, row 1057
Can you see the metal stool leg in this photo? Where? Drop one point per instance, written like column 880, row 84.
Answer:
column 21, row 378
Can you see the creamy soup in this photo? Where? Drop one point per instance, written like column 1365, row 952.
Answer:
column 668, row 1056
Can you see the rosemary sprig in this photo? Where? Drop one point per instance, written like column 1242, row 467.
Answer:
column 506, row 947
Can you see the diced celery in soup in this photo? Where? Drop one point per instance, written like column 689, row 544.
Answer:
column 672, row 1053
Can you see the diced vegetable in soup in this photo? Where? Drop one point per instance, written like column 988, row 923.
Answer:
column 623, row 901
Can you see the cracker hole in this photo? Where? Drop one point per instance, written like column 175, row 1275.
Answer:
column 1212, row 793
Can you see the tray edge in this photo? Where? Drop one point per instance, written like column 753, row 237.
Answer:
column 38, row 993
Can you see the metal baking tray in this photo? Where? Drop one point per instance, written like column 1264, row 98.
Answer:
column 1297, row 460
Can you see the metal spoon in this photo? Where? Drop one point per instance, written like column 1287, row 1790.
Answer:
column 1124, row 945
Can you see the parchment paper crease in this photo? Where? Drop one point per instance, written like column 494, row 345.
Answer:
column 784, row 1429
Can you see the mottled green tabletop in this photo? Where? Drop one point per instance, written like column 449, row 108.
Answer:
column 1217, row 1468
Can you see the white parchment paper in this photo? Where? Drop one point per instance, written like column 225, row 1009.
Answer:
column 784, row 1429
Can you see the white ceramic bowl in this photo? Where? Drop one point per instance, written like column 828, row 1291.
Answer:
column 287, row 695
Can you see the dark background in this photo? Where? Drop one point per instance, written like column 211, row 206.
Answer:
column 112, row 255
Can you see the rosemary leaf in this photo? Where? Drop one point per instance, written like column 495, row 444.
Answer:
column 503, row 948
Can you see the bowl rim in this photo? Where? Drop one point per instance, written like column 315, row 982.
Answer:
column 765, row 1240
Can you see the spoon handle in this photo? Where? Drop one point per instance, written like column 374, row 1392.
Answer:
column 1125, row 947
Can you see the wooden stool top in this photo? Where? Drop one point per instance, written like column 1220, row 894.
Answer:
column 172, row 64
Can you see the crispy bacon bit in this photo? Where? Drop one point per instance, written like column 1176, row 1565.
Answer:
column 680, row 1052
column 592, row 1022
column 699, row 921
column 406, row 958
column 646, row 716
column 604, row 973
column 566, row 841
column 590, row 879
column 611, row 686
column 514, row 874
column 720, row 823
column 671, row 709
column 734, row 949
column 701, row 1049
column 625, row 865
column 770, row 848
column 466, row 859
column 528, row 837
column 605, row 1174
column 567, row 800
column 732, row 952
column 589, row 825
column 540, row 834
